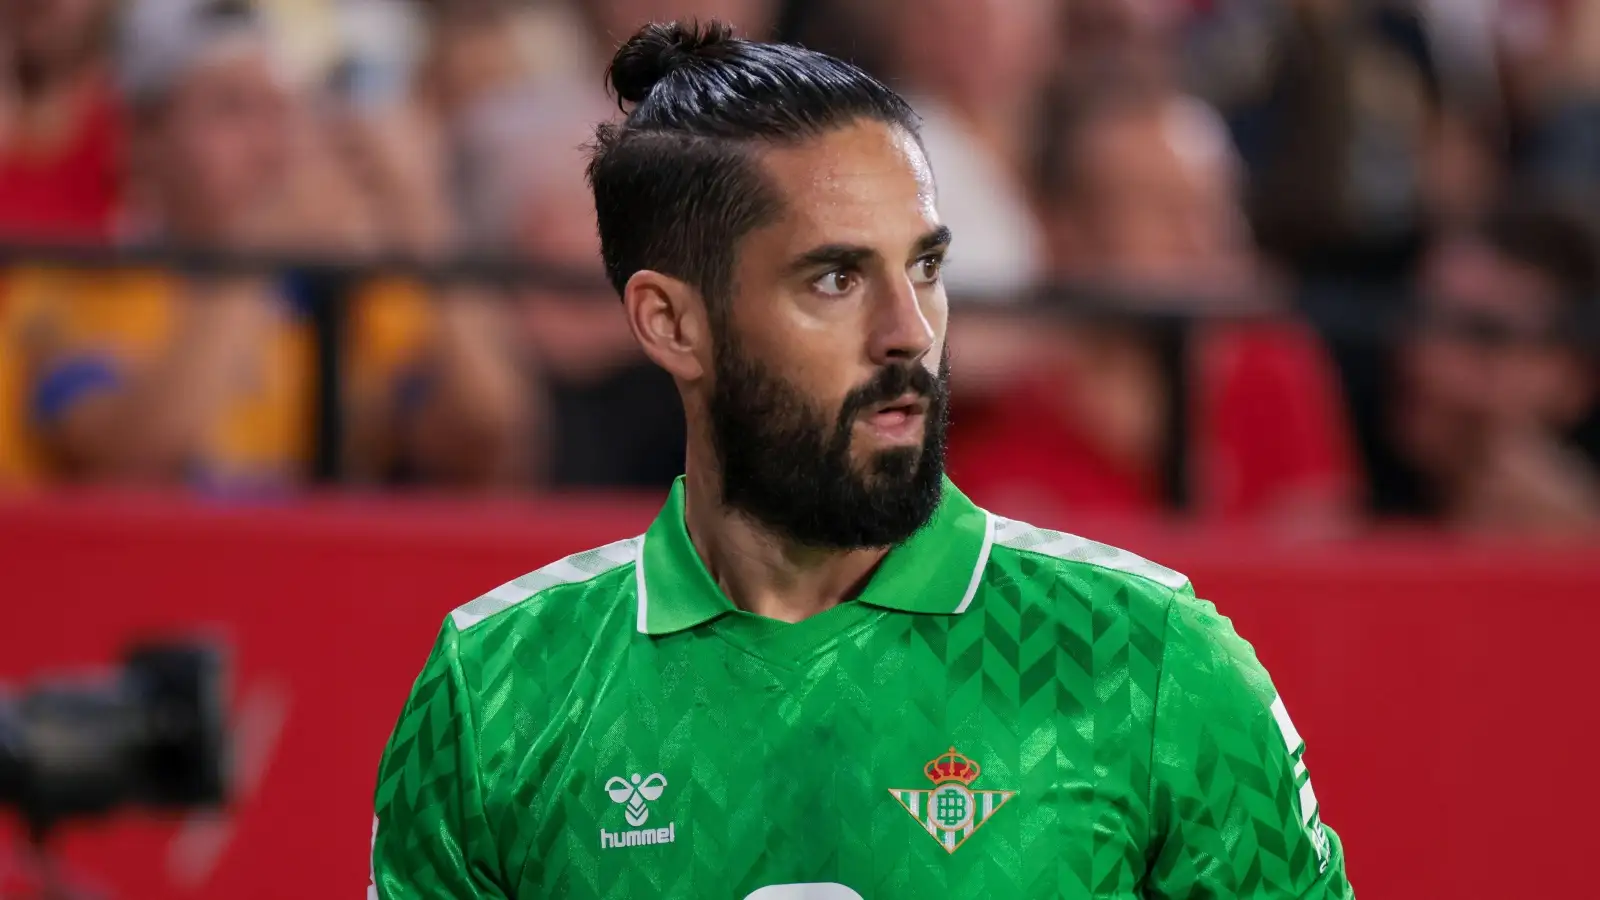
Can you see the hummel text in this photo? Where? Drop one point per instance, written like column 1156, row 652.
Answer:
column 638, row 836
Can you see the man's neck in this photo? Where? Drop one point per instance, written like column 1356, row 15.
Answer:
column 762, row 572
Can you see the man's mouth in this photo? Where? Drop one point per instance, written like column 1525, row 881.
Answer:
column 899, row 419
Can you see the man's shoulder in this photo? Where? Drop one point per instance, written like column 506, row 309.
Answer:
column 593, row 584
column 1051, row 557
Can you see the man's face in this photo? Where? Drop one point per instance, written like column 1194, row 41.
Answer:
column 1156, row 204
column 223, row 142
column 829, row 406
column 1489, row 358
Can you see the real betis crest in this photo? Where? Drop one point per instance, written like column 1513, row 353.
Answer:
column 950, row 811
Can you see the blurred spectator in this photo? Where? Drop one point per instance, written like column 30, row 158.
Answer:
column 607, row 417
column 148, row 376
column 1382, row 119
column 435, row 127
column 974, row 69
column 1143, row 190
column 60, row 126
column 477, row 51
column 1124, row 38
column 1374, row 123
column 476, row 48
column 1550, row 51
column 1494, row 380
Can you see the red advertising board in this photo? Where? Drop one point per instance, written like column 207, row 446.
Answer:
column 1445, row 688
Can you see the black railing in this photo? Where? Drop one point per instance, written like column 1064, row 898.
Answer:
column 1356, row 316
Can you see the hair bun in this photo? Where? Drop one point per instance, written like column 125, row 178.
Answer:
column 659, row 49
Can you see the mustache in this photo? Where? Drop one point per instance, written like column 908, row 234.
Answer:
column 890, row 383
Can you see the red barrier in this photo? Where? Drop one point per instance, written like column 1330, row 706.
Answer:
column 1444, row 688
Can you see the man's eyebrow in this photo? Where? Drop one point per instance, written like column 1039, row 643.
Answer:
column 937, row 239
column 854, row 256
column 833, row 256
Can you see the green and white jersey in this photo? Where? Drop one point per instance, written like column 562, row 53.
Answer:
column 1004, row 712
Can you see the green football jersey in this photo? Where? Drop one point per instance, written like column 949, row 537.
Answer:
column 1004, row 712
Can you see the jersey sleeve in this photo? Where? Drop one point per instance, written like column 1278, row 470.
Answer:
column 431, row 835
column 1233, row 812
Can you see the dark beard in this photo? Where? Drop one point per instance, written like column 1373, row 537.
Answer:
column 784, row 465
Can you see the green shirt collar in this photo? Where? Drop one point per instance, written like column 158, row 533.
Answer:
column 936, row 571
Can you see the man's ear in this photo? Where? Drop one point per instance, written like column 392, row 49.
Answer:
column 668, row 318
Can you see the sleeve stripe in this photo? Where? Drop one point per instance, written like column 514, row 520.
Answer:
column 1308, row 804
column 574, row 569
column 1291, row 736
column 1060, row 545
column 372, row 864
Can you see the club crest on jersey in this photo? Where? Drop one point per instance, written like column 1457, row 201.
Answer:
column 951, row 810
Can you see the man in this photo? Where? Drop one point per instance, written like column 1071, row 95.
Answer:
column 1140, row 191
column 823, row 672
column 60, row 121
column 976, row 122
column 139, row 375
column 603, row 415
column 1491, row 388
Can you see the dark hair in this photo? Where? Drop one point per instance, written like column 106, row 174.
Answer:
column 230, row 12
column 676, row 185
column 1550, row 237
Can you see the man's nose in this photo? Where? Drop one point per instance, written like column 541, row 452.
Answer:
column 901, row 330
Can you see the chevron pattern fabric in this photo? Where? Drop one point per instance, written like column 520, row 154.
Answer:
column 1123, row 742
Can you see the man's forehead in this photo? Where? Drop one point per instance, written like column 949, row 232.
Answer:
column 857, row 183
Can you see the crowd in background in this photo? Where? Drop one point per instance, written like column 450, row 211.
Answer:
column 1377, row 213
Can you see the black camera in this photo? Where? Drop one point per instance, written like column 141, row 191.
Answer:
column 151, row 733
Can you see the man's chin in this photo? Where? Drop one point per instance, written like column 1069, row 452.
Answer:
column 887, row 468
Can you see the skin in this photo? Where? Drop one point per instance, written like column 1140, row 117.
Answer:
column 1480, row 419
column 1150, row 207
column 1157, row 204
column 1156, row 208
column 216, row 155
column 220, row 150
column 1463, row 388
column 841, row 284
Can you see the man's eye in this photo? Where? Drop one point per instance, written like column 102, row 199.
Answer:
column 926, row 270
column 836, row 283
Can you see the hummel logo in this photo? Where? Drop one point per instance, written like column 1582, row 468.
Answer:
column 635, row 792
